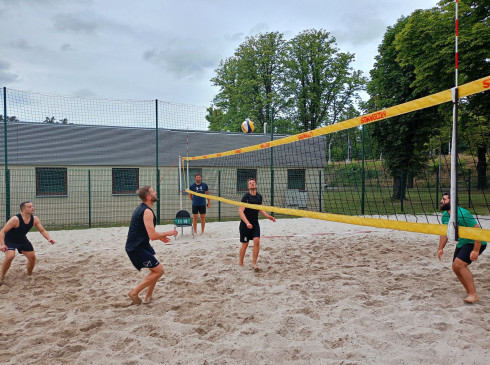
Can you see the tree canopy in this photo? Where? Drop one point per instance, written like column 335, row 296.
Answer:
column 302, row 83
column 415, row 59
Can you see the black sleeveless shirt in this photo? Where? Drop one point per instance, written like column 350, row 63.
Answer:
column 137, row 234
column 18, row 235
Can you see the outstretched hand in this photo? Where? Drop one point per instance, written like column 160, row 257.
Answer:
column 167, row 235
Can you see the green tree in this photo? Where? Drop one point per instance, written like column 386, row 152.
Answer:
column 9, row 119
column 302, row 84
column 426, row 43
column 249, row 83
column 402, row 140
column 319, row 82
column 52, row 120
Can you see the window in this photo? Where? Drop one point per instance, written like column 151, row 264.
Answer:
column 188, row 179
column 125, row 181
column 51, row 181
column 296, row 179
column 242, row 175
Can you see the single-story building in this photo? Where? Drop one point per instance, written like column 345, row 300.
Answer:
column 86, row 175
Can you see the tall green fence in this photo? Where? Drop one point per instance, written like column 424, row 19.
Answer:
column 89, row 184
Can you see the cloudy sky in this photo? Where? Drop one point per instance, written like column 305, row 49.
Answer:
column 166, row 49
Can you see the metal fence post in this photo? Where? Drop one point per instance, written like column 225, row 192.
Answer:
column 89, row 201
column 7, row 172
column 157, row 173
column 219, row 194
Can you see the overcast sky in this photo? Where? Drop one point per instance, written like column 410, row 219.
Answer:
column 166, row 49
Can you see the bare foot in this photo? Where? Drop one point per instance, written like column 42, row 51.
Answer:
column 147, row 300
column 135, row 298
column 256, row 268
column 470, row 299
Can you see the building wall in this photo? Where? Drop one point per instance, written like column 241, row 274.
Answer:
column 90, row 201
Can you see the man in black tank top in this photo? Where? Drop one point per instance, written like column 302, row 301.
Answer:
column 13, row 237
column 138, row 248
column 249, row 225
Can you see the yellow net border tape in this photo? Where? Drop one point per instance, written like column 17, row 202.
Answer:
column 470, row 88
column 428, row 228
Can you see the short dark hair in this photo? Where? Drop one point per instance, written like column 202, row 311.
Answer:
column 143, row 192
column 449, row 195
column 23, row 204
column 198, row 174
column 252, row 178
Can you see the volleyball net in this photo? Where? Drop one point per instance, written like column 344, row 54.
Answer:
column 336, row 173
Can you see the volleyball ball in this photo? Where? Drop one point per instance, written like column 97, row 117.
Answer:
column 247, row 126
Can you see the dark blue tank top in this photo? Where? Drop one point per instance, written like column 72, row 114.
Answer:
column 137, row 234
column 18, row 235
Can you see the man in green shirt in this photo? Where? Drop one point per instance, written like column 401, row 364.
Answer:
column 467, row 250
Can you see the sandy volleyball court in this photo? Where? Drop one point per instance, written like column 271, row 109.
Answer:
column 328, row 293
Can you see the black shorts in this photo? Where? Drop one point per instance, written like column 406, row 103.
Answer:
column 463, row 253
column 247, row 234
column 20, row 246
column 201, row 209
column 143, row 257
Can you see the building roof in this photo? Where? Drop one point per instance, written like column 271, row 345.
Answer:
column 42, row 144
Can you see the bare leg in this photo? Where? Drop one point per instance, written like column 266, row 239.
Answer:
column 243, row 249
column 194, row 223
column 31, row 261
column 203, row 222
column 465, row 277
column 150, row 280
column 149, row 290
column 256, row 250
column 9, row 257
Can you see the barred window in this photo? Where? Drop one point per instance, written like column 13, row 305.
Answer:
column 242, row 175
column 51, row 181
column 296, row 179
column 188, row 180
column 125, row 181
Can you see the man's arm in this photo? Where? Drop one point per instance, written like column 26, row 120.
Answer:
column 267, row 215
column 241, row 213
column 442, row 244
column 11, row 223
column 150, row 229
column 40, row 228
column 476, row 248
column 209, row 200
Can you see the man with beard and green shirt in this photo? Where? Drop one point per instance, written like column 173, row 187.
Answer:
column 467, row 250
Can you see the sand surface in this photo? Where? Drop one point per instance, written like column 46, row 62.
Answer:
column 328, row 293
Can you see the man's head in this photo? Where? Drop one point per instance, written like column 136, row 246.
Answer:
column 146, row 192
column 27, row 207
column 198, row 178
column 252, row 183
column 445, row 202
